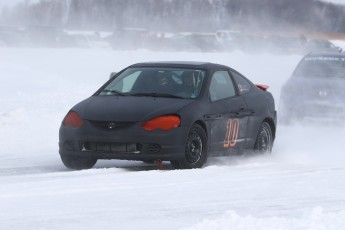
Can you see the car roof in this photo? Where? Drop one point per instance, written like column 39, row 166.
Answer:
column 326, row 54
column 180, row 64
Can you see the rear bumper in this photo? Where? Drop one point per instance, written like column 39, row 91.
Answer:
column 127, row 143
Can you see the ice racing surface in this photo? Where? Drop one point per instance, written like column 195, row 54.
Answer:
column 300, row 186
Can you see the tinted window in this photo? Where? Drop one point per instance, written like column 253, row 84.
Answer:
column 221, row 86
column 185, row 83
column 321, row 67
column 242, row 83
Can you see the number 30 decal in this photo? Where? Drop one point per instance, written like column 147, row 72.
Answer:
column 232, row 127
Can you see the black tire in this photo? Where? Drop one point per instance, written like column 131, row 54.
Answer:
column 195, row 149
column 264, row 140
column 78, row 163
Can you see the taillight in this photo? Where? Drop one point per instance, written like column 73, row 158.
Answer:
column 163, row 122
column 73, row 119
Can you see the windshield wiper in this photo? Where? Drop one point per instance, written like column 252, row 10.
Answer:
column 156, row 95
column 114, row 92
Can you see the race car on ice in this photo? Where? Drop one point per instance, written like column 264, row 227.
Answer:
column 316, row 90
column 180, row 112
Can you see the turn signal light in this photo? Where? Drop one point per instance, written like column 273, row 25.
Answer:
column 163, row 122
column 73, row 119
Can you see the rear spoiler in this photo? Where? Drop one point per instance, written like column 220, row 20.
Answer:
column 262, row 87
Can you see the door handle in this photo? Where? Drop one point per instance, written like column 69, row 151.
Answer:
column 244, row 112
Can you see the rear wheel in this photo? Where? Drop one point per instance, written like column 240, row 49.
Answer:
column 195, row 149
column 264, row 140
column 78, row 163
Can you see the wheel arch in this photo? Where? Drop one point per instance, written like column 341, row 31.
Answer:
column 203, row 125
column 271, row 123
column 190, row 161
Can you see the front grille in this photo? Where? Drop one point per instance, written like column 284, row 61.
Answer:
column 111, row 147
column 120, row 147
column 110, row 125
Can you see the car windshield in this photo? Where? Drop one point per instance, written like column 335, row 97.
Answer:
column 156, row 82
column 322, row 67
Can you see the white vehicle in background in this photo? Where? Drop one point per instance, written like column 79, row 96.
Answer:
column 199, row 42
column 320, row 45
column 91, row 41
column 230, row 39
column 86, row 39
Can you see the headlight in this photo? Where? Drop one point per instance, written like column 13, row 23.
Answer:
column 167, row 122
column 73, row 119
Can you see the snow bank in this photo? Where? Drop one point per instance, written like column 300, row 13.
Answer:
column 317, row 219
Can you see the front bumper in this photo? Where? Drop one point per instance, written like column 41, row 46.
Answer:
column 131, row 142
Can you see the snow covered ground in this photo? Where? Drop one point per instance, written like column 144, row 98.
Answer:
column 300, row 186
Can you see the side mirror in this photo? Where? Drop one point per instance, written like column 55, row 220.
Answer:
column 112, row 74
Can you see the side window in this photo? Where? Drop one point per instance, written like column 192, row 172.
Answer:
column 242, row 83
column 221, row 86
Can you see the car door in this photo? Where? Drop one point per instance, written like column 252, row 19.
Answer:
column 227, row 120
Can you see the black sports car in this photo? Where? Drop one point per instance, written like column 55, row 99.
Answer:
column 180, row 112
column 316, row 90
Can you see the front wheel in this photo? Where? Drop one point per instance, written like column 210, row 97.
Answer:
column 195, row 150
column 264, row 140
column 78, row 163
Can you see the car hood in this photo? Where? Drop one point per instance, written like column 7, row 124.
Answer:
column 128, row 108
